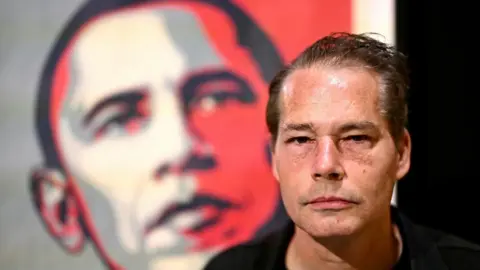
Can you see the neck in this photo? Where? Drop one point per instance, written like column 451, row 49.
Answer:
column 377, row 246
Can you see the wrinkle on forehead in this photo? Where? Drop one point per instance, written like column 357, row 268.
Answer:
column 330, row 90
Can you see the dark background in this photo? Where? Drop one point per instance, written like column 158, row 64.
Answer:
column 440, row 189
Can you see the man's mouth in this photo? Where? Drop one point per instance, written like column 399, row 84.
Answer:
column 214, row 207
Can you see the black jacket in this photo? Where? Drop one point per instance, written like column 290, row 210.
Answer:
column 424, row 249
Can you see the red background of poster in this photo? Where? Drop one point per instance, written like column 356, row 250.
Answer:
column 292, row 27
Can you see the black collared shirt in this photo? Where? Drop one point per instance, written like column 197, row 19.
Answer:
column 423, row 249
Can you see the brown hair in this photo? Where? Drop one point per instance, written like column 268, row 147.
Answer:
column 344, row 50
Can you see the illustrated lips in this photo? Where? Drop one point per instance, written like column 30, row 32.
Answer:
column 197, row 203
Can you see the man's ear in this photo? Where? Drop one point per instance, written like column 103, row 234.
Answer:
column 273, row 163
column 57, row 208
column 274, row 171
column 404, row 153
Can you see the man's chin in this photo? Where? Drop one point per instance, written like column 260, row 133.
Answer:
column 332, row 227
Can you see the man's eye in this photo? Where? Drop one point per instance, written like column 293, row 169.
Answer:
column 358, row 138
column 299, row 140
column 357, row 142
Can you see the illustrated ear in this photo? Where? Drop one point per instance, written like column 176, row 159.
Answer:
column 57, row 208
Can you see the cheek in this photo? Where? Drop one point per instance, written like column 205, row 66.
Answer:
column 111, row 165
column 294, row 159
column 235, row 131
column 372, row 180
column 239, row 139
column 356, row 154
column 291, row 188
column 121, row 176
column 293, row 177
column 300, row 154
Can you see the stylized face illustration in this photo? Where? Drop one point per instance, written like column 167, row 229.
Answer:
column 167, row 130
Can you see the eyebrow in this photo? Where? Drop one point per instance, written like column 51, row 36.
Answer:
column 133, row 95
column 362, row 125
column 298, row 127
column 349, row 126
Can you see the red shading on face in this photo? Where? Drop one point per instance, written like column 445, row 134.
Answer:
column 238, row 135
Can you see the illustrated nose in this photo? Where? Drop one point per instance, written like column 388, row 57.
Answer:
column 327, row 161
column 199, row 158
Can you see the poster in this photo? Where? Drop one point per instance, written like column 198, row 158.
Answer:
column 146, row 145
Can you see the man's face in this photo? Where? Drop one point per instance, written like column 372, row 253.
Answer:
column 335, row 159
column 158, row 125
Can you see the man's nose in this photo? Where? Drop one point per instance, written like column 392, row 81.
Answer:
column 327, row 163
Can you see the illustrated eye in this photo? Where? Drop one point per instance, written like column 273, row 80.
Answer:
column 125, row 120
column 213, row 93
column 208, row 103
column 125, row 113
column 210, row 90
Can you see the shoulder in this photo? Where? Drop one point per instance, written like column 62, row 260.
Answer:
column 430, row 247
column 456, row 252
column 258, row 254
column 238, row 257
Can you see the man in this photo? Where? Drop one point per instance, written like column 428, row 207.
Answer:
column 137, row 119
column 337, row 121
